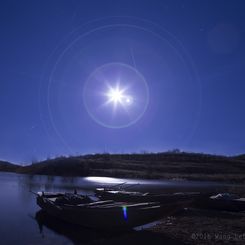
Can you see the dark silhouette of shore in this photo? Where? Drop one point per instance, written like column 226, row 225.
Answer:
column 165, row 165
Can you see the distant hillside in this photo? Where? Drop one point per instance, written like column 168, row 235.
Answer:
column 62, row 166
column 8, row 167
column 167, row 165
column 240, row 157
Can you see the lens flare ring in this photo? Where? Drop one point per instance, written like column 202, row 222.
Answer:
column 47, row 80
column 116, row 95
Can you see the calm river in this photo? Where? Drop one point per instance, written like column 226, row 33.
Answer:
column 21, row 221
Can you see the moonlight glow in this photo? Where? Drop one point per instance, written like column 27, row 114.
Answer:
column 118, row 96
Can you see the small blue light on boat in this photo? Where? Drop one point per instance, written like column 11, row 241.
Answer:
column 125, row 215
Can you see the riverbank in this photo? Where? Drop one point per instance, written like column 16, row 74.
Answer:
column 203, row 227
column 166, row 165
column 176, row 230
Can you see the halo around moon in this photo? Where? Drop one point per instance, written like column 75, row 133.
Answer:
column 73, row 90
column 116, row 95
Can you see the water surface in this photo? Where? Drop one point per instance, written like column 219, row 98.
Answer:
column 21, row 221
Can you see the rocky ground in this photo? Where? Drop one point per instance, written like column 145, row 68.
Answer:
column 202, row 227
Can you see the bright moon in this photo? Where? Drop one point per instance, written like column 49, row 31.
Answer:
column 117, row 96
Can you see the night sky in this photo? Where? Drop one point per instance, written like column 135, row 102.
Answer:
column 82, row 77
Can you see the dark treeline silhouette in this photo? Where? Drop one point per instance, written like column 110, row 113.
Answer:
column 169, row 165
column 8, row 167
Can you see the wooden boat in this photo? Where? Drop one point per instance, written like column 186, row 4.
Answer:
column 66, row 198
column 107, row 214
column 222, row 202
column 129, row 196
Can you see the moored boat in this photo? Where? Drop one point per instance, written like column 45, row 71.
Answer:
column 222, row 202
column 130, row 196
column 107, row 214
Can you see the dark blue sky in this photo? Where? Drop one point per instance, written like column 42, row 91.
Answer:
column 191, row 54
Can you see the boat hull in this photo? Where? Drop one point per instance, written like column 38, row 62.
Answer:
column 222, row 205
column 138, row 197
column 111, row 216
